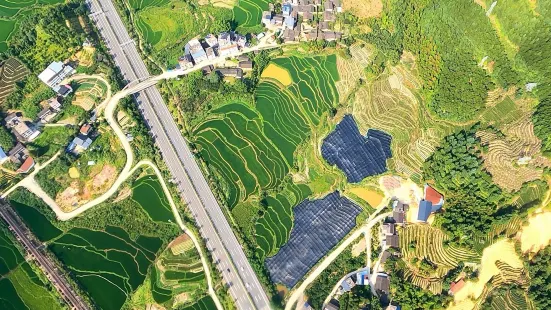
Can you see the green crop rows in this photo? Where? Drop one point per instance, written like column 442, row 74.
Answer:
column 109, row 251
column 248, row 13
column 20, row 287
column 251, row 147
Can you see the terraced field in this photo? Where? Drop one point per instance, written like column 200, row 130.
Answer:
column 109, row 255
column 425, row 242
column 177, row 277
column 391, row 104
column 248, row 13
column 11, row 71
column 250, row 147
column 89, row 93
column 20, row 286
column 166, row 25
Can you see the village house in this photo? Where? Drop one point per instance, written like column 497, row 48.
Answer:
column 382, row 283
column 195, row 49
column 337, row 6
column 286, row 9
column 18, row 154
column 55, row 73
column 210, row 53
column 246, row 65
column 399, row 212
column 290, row 22
column 241, row 40
column 332, row 305
column 3, row 156
column 456, row 287
column 347, row 284
column 225, row 38
column 389, row 229
column 277, row 21
column 21, row 130
column 332, row 36
column 82, row 141
column 266, row 18
column 328, row 16
column 328, row 6
column 207, row 69
column 52, row 108
column 185, row 61
column 211, row 40
column 27, row 165
column 230, row 72
column 362, row 277
column 64, row 90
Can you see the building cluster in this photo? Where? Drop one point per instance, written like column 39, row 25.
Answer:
column 227, row 44
column 304, row 20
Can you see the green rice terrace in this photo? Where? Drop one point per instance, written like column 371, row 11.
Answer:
column 165, row 25
column 248, row 13
column 10, row 10
column 177, row 278
column 251, row 147
column 112, row 249
column 22, row 286
column 11, row 72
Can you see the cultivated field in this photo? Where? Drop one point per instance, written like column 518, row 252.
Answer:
column 10, row 10
column 109, row 255
column 352, row 70
column 277, row 73
column 11, row 71
column 248, row 13
column 148, row 193
column 390, row 104
column 251, row 147
column 20, row 286
column 425, row 242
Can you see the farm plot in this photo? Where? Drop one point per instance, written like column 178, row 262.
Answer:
column 319, row 225
column 248, row 13
column 109, row 251
column 512, row 299
column 423, row 242
column 11, row 71
column 357, row 156
column 251, row 149
column 352, row 70
column 148, row 193
column 273, row 228
column 89, row 93
column 166, row 25
column 177, row 276
column 20, row 286
column 391, row 104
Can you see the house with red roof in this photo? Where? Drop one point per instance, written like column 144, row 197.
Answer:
column 26, row 166
column 433, row 196
column 456, row 286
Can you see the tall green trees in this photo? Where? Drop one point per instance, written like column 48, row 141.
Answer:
column 540, row 279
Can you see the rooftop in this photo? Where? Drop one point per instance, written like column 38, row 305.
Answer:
column 425, row 208
column 433, row 196
column 51, row 71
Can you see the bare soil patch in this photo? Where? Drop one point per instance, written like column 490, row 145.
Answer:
column 364, row 8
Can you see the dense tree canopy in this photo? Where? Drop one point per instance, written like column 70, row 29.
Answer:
column 540, row 279
column 471, row 197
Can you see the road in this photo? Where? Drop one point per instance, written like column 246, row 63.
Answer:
column 54, row 275
column 226, row 250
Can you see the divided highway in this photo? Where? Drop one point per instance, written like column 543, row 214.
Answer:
column 226, row 250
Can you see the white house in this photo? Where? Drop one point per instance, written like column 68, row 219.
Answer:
column 55, row 73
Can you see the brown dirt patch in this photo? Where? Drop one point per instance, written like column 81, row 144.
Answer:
column 69, row 198
column 364, row 8
column 105, row 177
column 358, row 248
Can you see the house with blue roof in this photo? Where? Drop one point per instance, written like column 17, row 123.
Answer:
column 425, row 209
column 3, row 156
column 286, row 9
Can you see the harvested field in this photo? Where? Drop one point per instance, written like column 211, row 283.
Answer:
column 352, row 70
column 364, row 8
column 389, row 104
column 277, row 73
column 372, row 197
column 11, row 71
column 500, row 262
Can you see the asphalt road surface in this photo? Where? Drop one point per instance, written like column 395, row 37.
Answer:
column 53, row 274
column 226, row 250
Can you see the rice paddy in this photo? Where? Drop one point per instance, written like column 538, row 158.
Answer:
column 251, row 148
column 248, row 13
column 109, row 256
column 277, row 73
column 89, row 93
column 148, row 193
column 20, row 286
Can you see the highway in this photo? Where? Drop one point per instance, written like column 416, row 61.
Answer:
column 54, row 275
column 226, row 250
